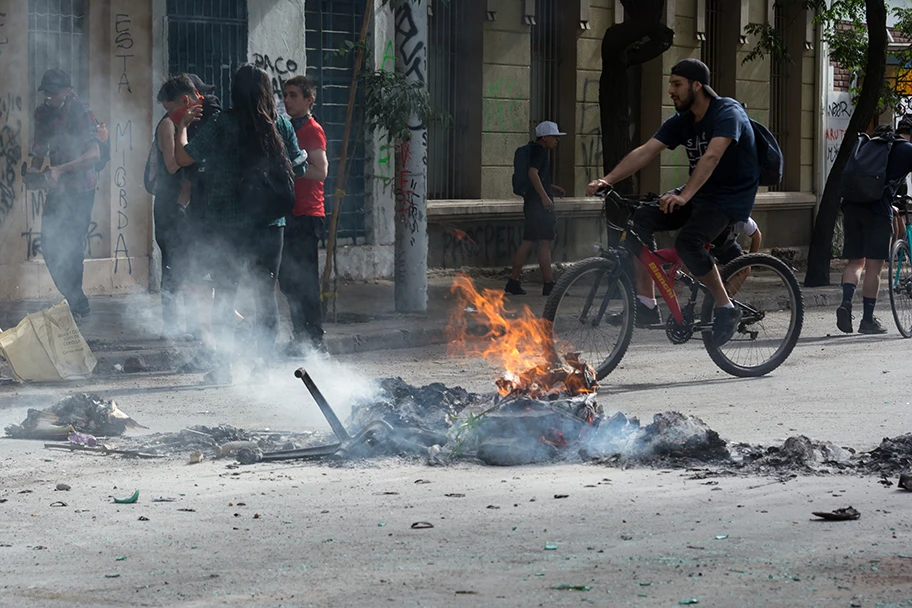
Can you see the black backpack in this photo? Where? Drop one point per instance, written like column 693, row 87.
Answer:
column 769, row 155
column 864, row 178
column 521, row 159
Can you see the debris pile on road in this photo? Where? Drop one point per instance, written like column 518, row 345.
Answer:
column 82, row 413
column 220, row 441
column 797, row 453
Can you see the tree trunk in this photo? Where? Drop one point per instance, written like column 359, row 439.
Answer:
column 640, row 38
column 411, row 250
column 820, row 252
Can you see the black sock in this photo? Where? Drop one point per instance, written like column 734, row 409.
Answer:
column 848, row 292
column 869, row 308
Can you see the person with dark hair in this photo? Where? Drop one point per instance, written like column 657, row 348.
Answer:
column 249, row 134
column 724, row 178
column 66, row 131
column 868, row 234
column 299, row 275
column 172, row 190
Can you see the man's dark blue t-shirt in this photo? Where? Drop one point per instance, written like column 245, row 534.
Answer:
column 732, row 187
column 899, row 163
column 540, row 159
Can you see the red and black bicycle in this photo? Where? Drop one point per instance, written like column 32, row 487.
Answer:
column 592, row 305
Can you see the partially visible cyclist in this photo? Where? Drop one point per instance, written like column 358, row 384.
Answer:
column 724, row 177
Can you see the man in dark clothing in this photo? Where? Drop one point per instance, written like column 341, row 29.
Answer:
column 66, row 132
column 724, row 177
column 868, row 234
column 538, row 208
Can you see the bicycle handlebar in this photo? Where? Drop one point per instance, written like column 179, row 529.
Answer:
column 607, row 192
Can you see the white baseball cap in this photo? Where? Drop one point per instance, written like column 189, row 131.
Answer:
column 547, row 128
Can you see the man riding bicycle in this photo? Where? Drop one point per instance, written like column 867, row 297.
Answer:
column 724, row 177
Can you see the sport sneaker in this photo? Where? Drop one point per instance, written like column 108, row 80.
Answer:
column 547, row 288
column 646, row 316
column 725, row 324
column 844, row 318
column 874, row 326
column 514, row 288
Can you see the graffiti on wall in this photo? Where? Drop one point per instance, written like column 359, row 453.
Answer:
column 4, row 39
column 32, row 234
column 123, row 40
column 493, row 243
column 10, row 152
column 279, row 70
column 123, row 143
column 839, row 110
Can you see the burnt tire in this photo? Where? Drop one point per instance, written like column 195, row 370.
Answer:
column 771, row 302
column 591, row 311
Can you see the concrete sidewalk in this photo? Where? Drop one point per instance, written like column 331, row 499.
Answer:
column 129, row 326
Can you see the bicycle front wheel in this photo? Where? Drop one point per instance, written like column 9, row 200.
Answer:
column 591, row 312
column 901, row 287
column 767, row 292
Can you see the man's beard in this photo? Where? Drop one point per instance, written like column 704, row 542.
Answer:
column 684, row 104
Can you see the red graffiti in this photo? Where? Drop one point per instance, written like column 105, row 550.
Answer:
column 833, row 134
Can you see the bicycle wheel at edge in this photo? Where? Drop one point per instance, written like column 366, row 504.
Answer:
column 900, row 282
column 773, row 309
column 602, row 344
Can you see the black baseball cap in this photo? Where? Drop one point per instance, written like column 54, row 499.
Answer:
column 54, row 81
column 201, row 86
column 694, row 69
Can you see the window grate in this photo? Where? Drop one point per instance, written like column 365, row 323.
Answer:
column 778, row 88
column 329, row 24
column 711, row 49
column 546, row 65
column 56, row 39
column 208, row 39
column 446, row 140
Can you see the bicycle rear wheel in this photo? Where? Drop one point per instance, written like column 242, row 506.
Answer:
column 901, row 287
column 767, row 292
column 591, row 311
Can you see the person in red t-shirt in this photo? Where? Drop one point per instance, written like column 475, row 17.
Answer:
column 299, row 274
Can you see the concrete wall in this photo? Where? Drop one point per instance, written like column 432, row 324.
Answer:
column 119, row 240
column 276, row 40
column 588, row 153
column 505, row 98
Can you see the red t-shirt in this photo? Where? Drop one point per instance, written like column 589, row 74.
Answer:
column 309, row 192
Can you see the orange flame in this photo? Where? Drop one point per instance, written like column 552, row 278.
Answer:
column 518, row 341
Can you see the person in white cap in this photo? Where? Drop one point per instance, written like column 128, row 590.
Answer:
column 538, row 205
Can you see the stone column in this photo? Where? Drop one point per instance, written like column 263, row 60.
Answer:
column 411, row 175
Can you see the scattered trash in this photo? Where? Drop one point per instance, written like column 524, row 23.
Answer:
column 62, row 487
column 196, row 457
column 550, row 547
column 59, row 503
column 82, row 439
column 120, row 559
column 905, row 482
column 422, row 525
column 46, row 346
column 128, row 501
column 143, row 518
column 846, row 514
column 381, row 524
column 112, row 576
column 135, row 365
column 118, row 367
column 690, row 601
column 81, row 413
column 455, row 495
column 231, row 448
column 163, row 499
column 572, row 587
column 187, row 510
column 885, row 482
column 422, row 481
column 721, row 536
column 256, row 515
column 561, row 496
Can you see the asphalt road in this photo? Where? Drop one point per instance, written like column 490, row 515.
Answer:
column 331, row 536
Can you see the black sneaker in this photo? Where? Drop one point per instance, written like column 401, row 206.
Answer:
column 547, row 288
column 844, row 318
column 725, row 324
column 514, row 288
column 874, row 326
column 646, row 316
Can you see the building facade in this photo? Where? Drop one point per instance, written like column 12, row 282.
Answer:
column 498, row 67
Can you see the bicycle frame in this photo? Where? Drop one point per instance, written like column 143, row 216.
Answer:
column 906, row 213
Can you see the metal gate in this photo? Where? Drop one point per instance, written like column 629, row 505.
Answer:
column 208, row 39
column 329, row 24
column 711, row 48
column 544, row 103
